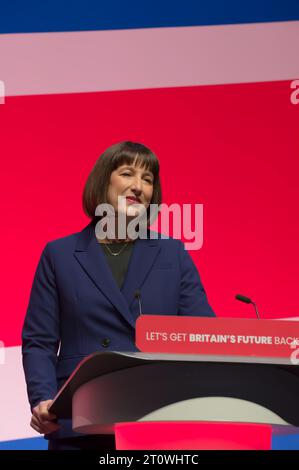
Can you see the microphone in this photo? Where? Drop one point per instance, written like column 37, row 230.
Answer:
column 247, row 300
column 137, row 295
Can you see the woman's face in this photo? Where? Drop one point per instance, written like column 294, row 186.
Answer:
column 134, row 185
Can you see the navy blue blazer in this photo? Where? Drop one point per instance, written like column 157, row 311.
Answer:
column 76, row 304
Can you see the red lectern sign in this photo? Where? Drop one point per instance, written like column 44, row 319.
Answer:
column 212, row 336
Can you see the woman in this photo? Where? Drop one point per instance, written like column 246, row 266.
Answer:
column 83, row 295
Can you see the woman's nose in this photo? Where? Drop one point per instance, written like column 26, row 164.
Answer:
column 137, row 184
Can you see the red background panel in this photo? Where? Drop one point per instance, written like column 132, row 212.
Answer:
column 191, row 435
column 233, row 148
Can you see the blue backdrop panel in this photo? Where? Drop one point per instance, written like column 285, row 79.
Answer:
column 74, row 15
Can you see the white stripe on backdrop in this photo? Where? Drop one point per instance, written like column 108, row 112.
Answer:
column 45, row 63
column 14, row 407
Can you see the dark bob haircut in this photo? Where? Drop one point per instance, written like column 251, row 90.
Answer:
column 123, row 153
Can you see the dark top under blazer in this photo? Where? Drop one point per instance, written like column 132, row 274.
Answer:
column 75, row 302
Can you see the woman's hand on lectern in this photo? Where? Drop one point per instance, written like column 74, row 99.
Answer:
column 42, row 420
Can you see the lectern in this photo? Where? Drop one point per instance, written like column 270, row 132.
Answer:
column 185, row 401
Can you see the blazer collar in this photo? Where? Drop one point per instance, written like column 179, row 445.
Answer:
column 92, row 259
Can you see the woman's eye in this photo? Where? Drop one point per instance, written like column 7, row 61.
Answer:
column 126, row 173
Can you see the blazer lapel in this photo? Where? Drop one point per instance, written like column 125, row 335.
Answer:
column 92, row 259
